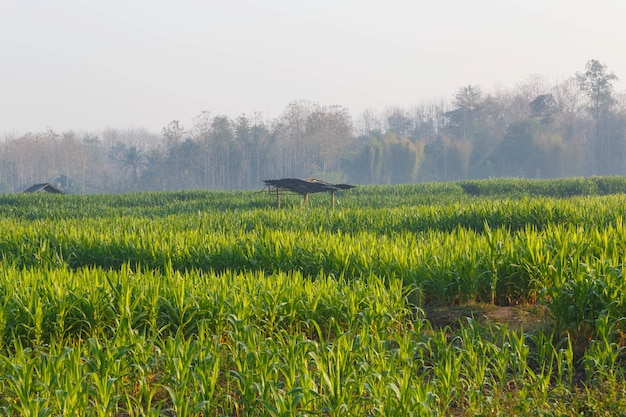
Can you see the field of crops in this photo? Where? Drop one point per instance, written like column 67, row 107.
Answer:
column 220, row 304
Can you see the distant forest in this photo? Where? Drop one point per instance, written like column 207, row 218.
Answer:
column 534, row 130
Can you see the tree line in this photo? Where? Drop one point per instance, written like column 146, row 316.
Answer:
column 576, row 127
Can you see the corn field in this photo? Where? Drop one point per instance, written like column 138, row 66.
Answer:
column 219, row 304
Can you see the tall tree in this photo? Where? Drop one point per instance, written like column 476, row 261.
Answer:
column 597, row 83
column 223, row 147
column 173, row 134
column 543, row 108
column 464, row 118
column 253, row 141
column 399, row 123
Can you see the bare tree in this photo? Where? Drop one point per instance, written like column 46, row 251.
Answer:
column 173, row 133
column 329, row 133
column 368, row 122
column 290, row 153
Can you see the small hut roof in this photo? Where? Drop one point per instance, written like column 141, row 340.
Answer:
column 306, row 186
column 45, row 187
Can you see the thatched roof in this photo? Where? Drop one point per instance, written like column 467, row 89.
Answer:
column 45, row 187
column 305, row 186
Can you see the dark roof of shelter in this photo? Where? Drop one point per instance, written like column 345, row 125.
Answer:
column 306, row 186
column 45, row 187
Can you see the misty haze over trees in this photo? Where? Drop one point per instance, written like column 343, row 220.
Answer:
column 574, row 128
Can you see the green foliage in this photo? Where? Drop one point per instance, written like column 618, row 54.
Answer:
column 559, row 188
column 386, row 160
column 220, row 304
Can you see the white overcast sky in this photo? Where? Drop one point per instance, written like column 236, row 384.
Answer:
column 93, row 64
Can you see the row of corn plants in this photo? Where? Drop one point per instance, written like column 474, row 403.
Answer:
column 129, row 342
column 563, row 187
column 423, row 213
column 154, row 204
column 503, row 265
column 499, row 264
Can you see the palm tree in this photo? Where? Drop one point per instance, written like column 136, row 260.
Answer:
column 134, row 163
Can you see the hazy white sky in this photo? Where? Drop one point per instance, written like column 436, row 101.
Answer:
column 93, row 64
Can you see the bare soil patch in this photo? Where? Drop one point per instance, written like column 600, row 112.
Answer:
column 528, row 318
